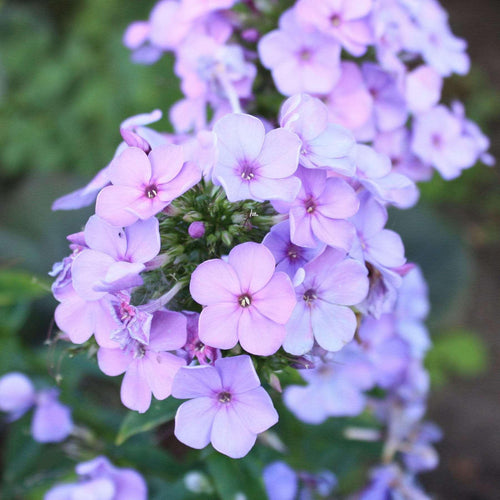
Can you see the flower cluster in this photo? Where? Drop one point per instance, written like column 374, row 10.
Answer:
column 250, row 243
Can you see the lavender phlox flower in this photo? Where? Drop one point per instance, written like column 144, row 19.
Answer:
column 418, row 453
column 396, row 144
column 320, row 210
column 99, row 479
column 388, row 353
column 283, row 483
column 245, row 299
column 52, row 420
column 134, row 132
column 382, row 249
column 227, row 407
column 389, row 481
column 440, row 140
column 324, row 145
column 423, row 88
column 300, row 61
column 17, row 394
column 252, row 164
column 289, row 256
column 143, row 185
column 334, row 388
column 374, row 173
column 194, row 347
column 149, row 368
column 214, row 70
column 350, row 104
column 344, row 20
column 389, row 110
column 115, row 256
column 332, row 283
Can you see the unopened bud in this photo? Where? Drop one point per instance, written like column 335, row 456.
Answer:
column 196, row 229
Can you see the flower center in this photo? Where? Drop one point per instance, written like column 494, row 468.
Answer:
column 293, row 252
column 224, row 397
column 437, row 141
column 309, row 296
column 247, row 172
column 310, row 205
column 305, row 55
column 151, row 191
column 245, row 300
column 335, row 20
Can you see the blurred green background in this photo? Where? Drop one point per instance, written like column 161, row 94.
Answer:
column 66, row 83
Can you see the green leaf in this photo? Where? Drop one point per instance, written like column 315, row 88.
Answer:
column 16, row 286
column 232, row 478
column 135, row 423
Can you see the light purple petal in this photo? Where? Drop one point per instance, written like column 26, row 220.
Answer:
column 131, row 168
column 258, row 334
column 105, row 238
column 113, row 204
column 88, row 271
column 333, row 232
column 168, row 331
column 333, row 326
column 274, row 189
column 255, row 409
column 300, row 228
column 196, row 382
column 189, row 175
column 194, row 420
column 237, row 373
column 17, row 393
column 51, row 422
column 143, row 240
column 254, row 264
column 338, row 200
column 135, row 391
column 113, row 362
column 277, row 299
column 166, row 162
column 280, row 154
column 229, row 434
column 345, row 284
column 299, row 337
column 214, row 281
column 160, row 369
column 218, row 325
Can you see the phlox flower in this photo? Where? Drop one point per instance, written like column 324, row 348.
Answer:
column 99, row 479
column 344, row 20
column 143, row 185
column 335, row 388
column 252, row 164
column 332, row 283
column 245, row 299
column 289, row 256
column 17, row 394
column 115, row 256
column 423, row 88
column 227, row 407
column 318, row 213
column 324, row 145
column 149, row 368
column 300, row 61
column 439, row 140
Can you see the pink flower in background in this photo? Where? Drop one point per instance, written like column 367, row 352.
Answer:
column 245, row 299
column 227, row 407
column 254, row 165
column 143, row 185
column 344, row 20
column 300, row 61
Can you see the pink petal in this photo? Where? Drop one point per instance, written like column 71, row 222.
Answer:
column 237, row 373
column 299, row 338
column 168, row 331
column 255, row 409
column 166, row 162
column 258, row 334
column 143, row 240
column 196, row 382
column 277, row 299
column 113, row 362
column 189, row 175
column 333, row 326
column 280, row 154
column 113, row 204
column 160, row 369
column 74, row 316
column 131, row 168
column 214, row 281
column 88, row 271
column 230, row 435
column 135, row 391
column 194, row 420
column 103, row 237
column 218, row 325
column 254, row 264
